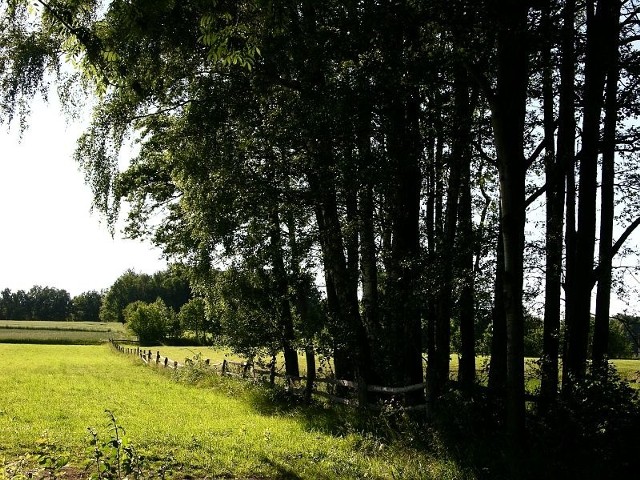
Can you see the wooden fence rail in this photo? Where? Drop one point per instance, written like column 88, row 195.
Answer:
column 247, row 370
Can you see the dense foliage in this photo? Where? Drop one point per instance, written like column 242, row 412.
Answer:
column 151, row 322
column 171, row 285
column 39, row 303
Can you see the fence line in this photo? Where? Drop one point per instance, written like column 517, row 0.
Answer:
column 248, row 370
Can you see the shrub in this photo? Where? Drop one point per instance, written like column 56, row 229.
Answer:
column 149, row 321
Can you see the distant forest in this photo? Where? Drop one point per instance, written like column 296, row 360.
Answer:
column 54, row 304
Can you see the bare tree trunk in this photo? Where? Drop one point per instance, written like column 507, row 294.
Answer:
column 598, row 47
column 554, row 171
column 508, row 107
column 438, row 367
column 603, row 292
column 352, row 354
column 402, row 111
column 467, row 365
column 498, row 362
column 282, row 290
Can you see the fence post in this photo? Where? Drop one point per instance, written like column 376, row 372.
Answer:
column 245, row 367
column 175, row 364
column 166, row 362
column 207, row 362
column 272, row 371
column 224, row 367
column 362, row 393
column 158, row 357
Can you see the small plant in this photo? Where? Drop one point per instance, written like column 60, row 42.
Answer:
column 49, row 459
column 114, row 458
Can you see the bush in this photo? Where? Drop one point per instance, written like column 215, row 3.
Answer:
column 593, row 431
column 151, row 322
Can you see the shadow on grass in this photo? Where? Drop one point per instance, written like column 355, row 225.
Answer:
column 284, row 472
column 595, row 437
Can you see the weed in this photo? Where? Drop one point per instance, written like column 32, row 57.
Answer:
column 116, row 458
column 49, row 459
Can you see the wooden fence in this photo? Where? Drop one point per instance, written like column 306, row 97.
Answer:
column 247, row 370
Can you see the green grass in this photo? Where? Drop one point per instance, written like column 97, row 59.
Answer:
column 228, row 429
column 40, row 332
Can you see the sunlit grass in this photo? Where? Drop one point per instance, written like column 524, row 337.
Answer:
column 223, row 430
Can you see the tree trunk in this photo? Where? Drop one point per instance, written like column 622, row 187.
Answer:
column 352, row 355
column 555, row 178
column 465, row 242
column 597, row 48
column 508, row 116
column 282, row 290
column 498, row 361
column 438, row 367
column 311, row 370
column 402, row 112
column 603, row 293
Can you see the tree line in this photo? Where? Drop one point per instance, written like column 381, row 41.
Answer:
column 443, row 164
column 50, row 304
column 54, row 304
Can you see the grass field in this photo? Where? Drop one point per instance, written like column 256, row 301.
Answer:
column 74, row 333
column 228, row 430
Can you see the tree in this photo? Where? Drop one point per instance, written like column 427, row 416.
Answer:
column 171, row 285
column 151, row 322
column 49, row 303
column 86, row 306
column 128, row 288
column 192, row 317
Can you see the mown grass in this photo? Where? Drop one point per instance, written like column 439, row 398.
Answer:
column 228, row 429
column 65, row 333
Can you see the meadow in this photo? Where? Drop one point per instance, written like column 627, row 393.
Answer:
column 71, row 333
column 229, row 429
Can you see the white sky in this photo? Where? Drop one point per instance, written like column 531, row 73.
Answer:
column 48, row 236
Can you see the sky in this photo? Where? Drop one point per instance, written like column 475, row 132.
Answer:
column 48, row 235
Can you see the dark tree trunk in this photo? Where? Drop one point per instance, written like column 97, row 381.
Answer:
column 463, row 120
column 311, row 370
column 438, row 366
column 434, row 232
column 368, row 257
column 282, row 291
column 498, row 361
column 599, row 38
column 348, row 331
column 352, row 356
column 508, row 107
column 555, row 176
column 603, row 292
column 402, row 112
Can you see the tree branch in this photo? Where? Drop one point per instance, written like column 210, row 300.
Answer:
column 617, row 246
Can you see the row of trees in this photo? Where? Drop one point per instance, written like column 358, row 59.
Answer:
column 48, row 303
column 170, row 285
column 400, row 147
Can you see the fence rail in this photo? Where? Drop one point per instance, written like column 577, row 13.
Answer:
column 248, row 370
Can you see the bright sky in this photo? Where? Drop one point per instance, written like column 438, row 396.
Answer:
column 48, row 236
